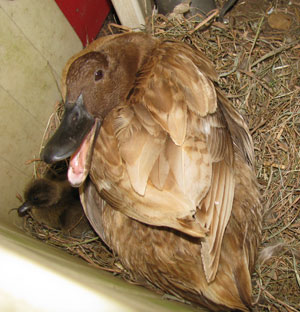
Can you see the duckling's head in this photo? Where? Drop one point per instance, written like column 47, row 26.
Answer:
column 41, row 193
column 95, row 81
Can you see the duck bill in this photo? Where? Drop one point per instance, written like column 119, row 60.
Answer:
column 22, row 210
column 75, row 125
column 74, row 137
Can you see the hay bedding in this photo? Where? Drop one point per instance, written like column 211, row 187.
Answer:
column 259, row 65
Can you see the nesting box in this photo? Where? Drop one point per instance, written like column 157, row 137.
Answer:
column 36, row 40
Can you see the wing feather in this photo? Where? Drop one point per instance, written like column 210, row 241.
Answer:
column 219, row 204
column 138, row 148
column 173, row 84
column 160, row 171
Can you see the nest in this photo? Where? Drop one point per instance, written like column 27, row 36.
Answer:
column 259, row 69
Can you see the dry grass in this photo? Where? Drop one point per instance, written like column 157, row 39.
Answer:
column 260, row 71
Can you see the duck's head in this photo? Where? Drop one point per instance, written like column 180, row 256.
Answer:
column 94, row 82
column 41, row 193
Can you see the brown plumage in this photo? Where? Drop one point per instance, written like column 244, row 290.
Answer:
column 55, row 203
column 171, row 187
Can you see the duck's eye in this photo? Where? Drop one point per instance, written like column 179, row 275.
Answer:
column 98, row 75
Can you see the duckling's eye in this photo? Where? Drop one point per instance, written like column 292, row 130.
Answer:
column 35, row 198
column 98, row 75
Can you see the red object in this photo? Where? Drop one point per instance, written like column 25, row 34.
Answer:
column 85, row 16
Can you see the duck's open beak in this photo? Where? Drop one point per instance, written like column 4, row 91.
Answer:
column 75, row 125
column 74, row 137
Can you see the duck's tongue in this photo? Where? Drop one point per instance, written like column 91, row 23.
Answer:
column 81, row 160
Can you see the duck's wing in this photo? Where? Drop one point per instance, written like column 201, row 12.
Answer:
column 126, row 159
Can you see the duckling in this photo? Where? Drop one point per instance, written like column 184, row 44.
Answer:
column 165, row 167
column 56, row 204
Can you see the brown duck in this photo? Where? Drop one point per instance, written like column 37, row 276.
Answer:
column 171, row 186
column 55, row 203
